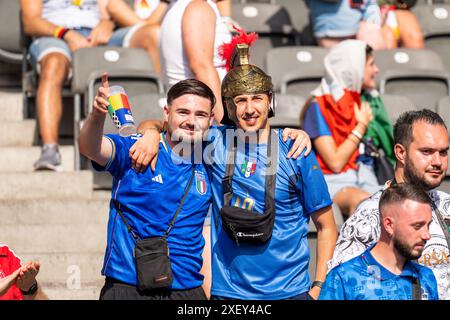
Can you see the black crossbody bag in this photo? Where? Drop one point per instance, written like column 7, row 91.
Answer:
column 241, row 224
column 151, row 255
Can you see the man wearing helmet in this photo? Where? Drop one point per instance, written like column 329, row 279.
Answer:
column 262, row 200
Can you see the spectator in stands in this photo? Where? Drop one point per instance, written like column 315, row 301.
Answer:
column 336, row 120
column 189, row 105
column 17, row 281
column 385, row 270
column 247, row 91
column 191, row 32
column 335, row 21
column 421, row 151
column 400, row 25
column 60, row 27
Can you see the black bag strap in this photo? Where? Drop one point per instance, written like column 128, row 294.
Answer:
column 172, row 222
column 417, row 295
column 272, row 155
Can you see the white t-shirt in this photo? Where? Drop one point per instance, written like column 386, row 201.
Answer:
column 362, row 230
column 174, row 63
column 71, row 13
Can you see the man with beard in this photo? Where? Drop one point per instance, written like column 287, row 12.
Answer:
column 421, row 148
column 167, row 202
column 385, row 271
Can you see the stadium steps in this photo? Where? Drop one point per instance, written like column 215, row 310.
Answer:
column 54, row 217
column 21, row 159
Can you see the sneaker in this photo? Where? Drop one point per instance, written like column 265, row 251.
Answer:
column 50, row 158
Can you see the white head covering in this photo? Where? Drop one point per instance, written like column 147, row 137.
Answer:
column 344, row 66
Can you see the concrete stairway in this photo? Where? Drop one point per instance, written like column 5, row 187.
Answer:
column 55, row 218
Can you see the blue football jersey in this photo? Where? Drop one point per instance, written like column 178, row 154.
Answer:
column 149, row 201
column 363, row 278
column 279, row 268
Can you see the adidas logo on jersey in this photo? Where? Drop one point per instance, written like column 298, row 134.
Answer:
column 158, row 179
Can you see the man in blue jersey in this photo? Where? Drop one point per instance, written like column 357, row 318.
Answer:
column 277, row 267
column 385, row 270
column 149, row 199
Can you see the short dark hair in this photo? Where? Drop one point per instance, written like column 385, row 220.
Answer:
column 403, row 128
column 190, row 86
column 399, row 192
column 369, row 51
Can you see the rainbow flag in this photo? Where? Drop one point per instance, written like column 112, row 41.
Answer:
column 117, row 102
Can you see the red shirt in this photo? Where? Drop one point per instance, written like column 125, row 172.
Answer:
column 9, row 263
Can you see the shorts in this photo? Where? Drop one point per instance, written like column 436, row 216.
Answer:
column 364, row 178
column 118, row 290
column 338, row 19
column 40, row 47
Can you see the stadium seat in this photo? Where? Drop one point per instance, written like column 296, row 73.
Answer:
column 443, row 109
column 434, row 21
column 143, row 107
column 296, row 69
column 287, row 111
column 416, row 74
column 299, row 14
column 129, row 67
column 396, row 105
column 270, row 21
column 11, row 56
column 10, row 32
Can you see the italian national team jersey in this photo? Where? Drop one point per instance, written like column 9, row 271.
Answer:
column 277, row 269
column 363, row 278
column 148, row 201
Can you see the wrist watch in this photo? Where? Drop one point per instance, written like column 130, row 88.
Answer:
column 317, row 284
column 30, row 291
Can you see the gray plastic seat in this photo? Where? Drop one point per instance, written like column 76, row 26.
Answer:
column 287, row 111
column 296, row 69
column 416, row 74
column 396, row 105
column 434, row 21
column 272, row 23
column 10, row 32
column 131, row 68
column 143, row 107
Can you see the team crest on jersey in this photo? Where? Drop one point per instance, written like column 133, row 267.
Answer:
column 248, row 168
column 200, row 182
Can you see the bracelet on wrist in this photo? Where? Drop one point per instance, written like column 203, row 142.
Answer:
column 357, row 134
column 60, row 32
column 317, row 284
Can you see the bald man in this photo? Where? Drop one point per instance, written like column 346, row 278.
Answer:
column 385, row 271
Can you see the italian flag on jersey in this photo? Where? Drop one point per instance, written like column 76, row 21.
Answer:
column 200, row 182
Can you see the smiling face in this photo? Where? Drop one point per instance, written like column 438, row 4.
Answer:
column 188, row 117
column 370, row 72
column 252, row 111
column 426, row 157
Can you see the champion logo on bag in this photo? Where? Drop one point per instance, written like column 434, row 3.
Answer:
column 158, row 179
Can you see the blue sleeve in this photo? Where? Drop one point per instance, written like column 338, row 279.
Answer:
column 312, row 185
column 314, row 123
column 120, row 158
column 333, row 288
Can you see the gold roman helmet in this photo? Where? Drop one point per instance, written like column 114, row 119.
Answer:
column 243, row 78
